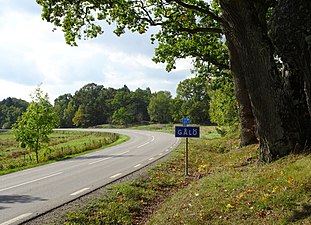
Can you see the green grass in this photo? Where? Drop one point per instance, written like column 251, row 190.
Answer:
column 168, row 128
column 226, row 186
column 62, row 145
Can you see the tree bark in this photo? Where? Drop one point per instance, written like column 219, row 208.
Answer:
column 292, row 19
column 248, row 43
column 247, row 119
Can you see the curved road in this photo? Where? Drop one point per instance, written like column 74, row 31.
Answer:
column 28, row 193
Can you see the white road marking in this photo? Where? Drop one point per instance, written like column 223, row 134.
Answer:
column 99, row 161
column 124, row 153
column 32, row 181
column 151, row 159
column 146, row 142
column 80, row 191
column 116, row 175
column 16, row 219
column 138, row 165
column 161, row 153
column 143, row 145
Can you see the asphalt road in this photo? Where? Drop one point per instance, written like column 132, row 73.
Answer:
column 28, row 193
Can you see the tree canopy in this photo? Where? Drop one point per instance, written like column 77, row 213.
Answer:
column 269, row 102
column 10, row 110
column 160, row 107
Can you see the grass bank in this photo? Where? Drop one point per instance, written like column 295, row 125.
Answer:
column 62, row 145
column 226, row 186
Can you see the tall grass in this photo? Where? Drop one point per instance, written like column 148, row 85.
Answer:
column 63, row 144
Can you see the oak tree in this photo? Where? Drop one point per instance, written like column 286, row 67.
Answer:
column 258, row 81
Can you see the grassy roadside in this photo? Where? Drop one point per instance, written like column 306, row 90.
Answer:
column 225, row 187
column 62, row 145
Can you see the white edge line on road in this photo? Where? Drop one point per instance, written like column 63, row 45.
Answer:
column 99, row 161
column 16, row 219
column 138, row 165
column 151, row 159
column 80, row 191
column 160, row 153
column 116, row 175
column 32, row 181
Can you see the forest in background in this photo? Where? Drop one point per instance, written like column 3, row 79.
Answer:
column 205, row 102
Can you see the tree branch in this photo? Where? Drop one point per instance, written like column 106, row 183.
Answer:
column 197, row 8
column 201, row 29
column 211, row 60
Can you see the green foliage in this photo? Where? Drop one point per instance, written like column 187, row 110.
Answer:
column 92, row 99
column 10, row 110
column 80, row 119
column 63, row 106
column 140, row 102
column 223, row 105
column 192, row 101
column 95, row 105
column 160, row 107
column 123, row 201
column 123, row 116
column 34, row 126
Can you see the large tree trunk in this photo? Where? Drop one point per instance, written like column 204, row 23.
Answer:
column 246, row 33
column 292, row 19
column 247, row 119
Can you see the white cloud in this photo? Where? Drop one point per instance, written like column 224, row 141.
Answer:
column 32, row 54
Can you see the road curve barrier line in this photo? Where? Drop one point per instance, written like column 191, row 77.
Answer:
column 138, row 165
column 116, row 175
column 29, row 182
column 91, row 163
column 16, row 219
column 80, row 191
column 151, row 159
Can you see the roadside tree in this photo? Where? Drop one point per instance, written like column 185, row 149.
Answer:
column 277, row 109
column 34, row 126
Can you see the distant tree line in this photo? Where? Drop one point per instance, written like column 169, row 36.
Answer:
column 95, row 104
column 10, row 110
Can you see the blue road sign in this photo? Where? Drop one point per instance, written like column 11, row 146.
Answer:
column 185, row 121
column 191, row 132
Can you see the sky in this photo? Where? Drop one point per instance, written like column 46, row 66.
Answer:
column 31, row 54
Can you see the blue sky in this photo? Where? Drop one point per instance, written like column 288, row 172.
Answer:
column 31, row 54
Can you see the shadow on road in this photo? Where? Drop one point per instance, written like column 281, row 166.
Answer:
column 10, row 199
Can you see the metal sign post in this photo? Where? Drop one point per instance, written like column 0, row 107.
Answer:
column 186, row 132
column 186, row 159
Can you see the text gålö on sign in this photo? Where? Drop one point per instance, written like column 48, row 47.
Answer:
column 191, row 132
